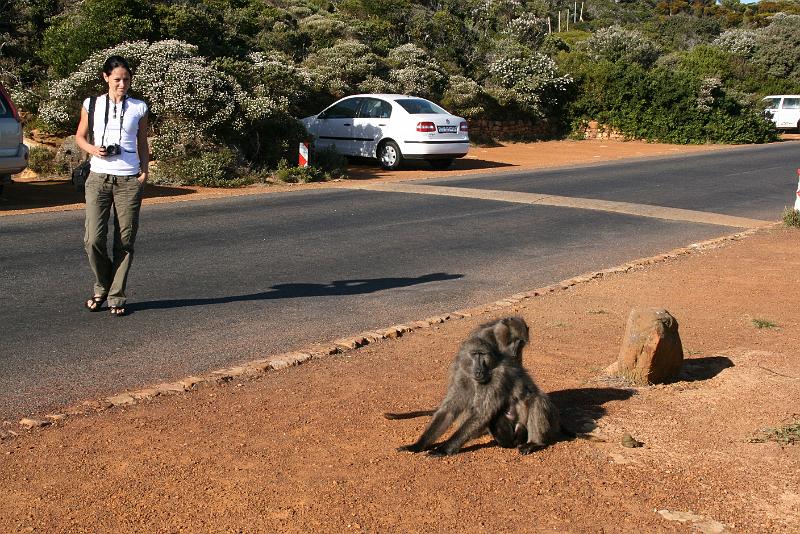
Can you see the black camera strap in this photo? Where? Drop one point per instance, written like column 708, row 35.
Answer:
column 92, row 105
column 121, row 116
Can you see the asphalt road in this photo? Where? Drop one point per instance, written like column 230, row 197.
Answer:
column 229, row 280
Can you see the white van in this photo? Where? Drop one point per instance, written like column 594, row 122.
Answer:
column 784, row 110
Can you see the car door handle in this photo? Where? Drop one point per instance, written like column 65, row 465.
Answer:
column 383, row 124
column 347, row 124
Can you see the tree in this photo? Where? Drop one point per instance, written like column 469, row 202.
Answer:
column 96, row 24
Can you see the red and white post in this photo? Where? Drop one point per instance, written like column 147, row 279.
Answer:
column 797, row 197
column 302, row 160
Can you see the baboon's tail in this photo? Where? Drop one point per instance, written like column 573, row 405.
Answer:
column 408, row 415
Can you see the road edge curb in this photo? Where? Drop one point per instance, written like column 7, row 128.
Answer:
column 255, row 368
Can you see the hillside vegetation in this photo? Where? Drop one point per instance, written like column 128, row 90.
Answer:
column 226, row 79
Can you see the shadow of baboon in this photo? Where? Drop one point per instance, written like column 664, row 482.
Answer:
column 696, row 369
column 581, row 408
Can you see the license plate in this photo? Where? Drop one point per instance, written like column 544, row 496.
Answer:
column 447, row 129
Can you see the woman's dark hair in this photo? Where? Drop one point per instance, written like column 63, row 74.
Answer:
column 116, row 61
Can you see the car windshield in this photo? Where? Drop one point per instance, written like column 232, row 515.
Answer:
column 418, row 106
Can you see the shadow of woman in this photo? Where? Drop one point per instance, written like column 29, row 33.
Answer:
column 300, row 290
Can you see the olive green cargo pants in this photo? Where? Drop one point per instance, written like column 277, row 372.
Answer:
column 124, row 195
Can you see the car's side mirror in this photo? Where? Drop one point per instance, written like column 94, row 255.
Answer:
column 322, row 116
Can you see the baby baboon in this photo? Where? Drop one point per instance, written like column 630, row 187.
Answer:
column 531, row 421
column 478, row 390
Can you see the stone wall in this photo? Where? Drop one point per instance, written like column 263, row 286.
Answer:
column 518, row 129
column 595, row 130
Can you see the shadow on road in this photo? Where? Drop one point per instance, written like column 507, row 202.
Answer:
column 364, row 169
column 50, row 193
column 300, row 290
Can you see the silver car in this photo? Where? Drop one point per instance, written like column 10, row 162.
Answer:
column 13, row 153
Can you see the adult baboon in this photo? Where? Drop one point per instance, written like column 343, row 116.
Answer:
column 478, row 390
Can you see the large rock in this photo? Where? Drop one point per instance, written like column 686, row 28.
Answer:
column 70, row 153
column 651, row 351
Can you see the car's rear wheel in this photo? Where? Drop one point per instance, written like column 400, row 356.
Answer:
column 441, row 163
column 389, row 156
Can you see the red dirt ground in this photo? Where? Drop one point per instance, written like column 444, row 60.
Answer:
column 305, row 449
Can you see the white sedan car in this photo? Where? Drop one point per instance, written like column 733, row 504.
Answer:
column 390, row 128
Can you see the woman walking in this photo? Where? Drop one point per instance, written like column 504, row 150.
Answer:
column 117, row 142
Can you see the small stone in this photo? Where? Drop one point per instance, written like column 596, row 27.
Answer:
column 29, row 423
column 371, row 336
column 190, row 382
column 391, row 333
column 258, row 366
column 348, row 343
column 123, row 399
column 145, row 394
column 296, row 358
column 6, row 434
column 56, row 417
column 630, row 442
column 170, row 388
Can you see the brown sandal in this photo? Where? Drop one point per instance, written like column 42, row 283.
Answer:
column 95, row 303
column 117, row 311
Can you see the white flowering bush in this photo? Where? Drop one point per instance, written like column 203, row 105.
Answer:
column 414, row 72
column 778, row 47
column 169, row 75
column 277, row 77
column 618, row 44
column 463, row 97
column 340, row 68
column 709, row 88
column 322, row 31
column 374, row 84
column 196, row 109
column 487, row 15
column 528, row 29
column 529, row 81
column 737, row 41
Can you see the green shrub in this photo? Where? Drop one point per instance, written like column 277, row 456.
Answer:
column 330, row 162
column 42, row 161
column 210, row 169
column 791, row 217
column 664, row 104
column 303, row 175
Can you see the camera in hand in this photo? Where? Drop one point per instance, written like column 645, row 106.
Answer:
column 112, row 150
